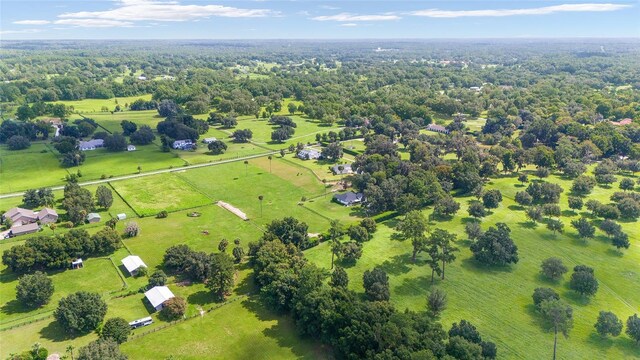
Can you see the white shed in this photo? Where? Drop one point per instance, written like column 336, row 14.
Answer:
column 158, row 295
column 121, row 216
column 132, row 263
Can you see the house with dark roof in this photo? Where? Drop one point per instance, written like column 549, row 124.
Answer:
column 349, row 198
column 91, row 144
column 24, row 229
column 437, row 128
column 309, row 154
column 185, row 144
column 346, row 169
column 47, row 215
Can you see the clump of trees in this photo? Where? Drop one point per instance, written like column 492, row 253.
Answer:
column 173, row 308
column 80, row 312
column 217, row 147
column 35, row 198
column 495, row 247
column 116, row 329
column 34, row 290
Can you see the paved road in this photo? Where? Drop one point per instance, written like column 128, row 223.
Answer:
column 133, row 176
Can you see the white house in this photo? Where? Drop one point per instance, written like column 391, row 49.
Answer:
column 209, row 140
column 132, row 263
column 158, row 295
column 121, row 216
column 186, row 144
column 309, row 154
column 91, row 144
column 131, row 148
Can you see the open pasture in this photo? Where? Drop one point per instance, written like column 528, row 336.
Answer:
column 95, row 105
column 152, row 194
column 34, row 167
column 498, row 300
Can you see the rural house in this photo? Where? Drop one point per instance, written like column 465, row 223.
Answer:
column 437, row 128
column 346, row 169
column 209, row 140
column 91, row 144
column 349, row 198
column 131, row 148
column 157, row 296
column 47, row 215
column 20, row 216
column 132, row 263
column 183, row 144
column 309, row 154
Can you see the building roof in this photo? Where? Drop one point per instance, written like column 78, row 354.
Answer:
column 349, row 197
column 131, row 147
column 76, row 262
column 24, row 229
column 158, row 295
column 16, row 213
column 121, row 216
column 346, row 169
column 132, row 263
column 93, row 216
column 209, row 139
column 91, row 143
column 439, row 128
column 46, row 211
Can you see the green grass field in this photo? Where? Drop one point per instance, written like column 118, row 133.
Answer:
column 112, row 122
column 152, row 194
column 498, row 301
column 30, row 168
column 95, row 105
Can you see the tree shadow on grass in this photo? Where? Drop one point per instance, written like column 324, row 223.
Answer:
column 247, row 286
column 547, row 281
column 515, row 207
column 615, row 252
column 14, row 307
column 473, row 265
column 574, row 298
column 600, row 342
column 56, row 333
column 528, row 224
column 397, row 265
column 203, row 298
column 536, row 317
column 415, row 286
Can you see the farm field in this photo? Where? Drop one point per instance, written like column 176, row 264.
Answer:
column 95, row 105
column 111, row 122
column 152, row 194
column 501, row 297
column 30, row 168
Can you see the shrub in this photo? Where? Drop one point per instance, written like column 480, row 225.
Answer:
column 34, row 290
column 174, row 308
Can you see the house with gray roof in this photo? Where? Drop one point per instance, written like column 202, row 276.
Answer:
column 91, row 144
column 158, row 295
column 24, row 229
column 93, row 218
column 346, row 169
column 437, row 128
column 20, row 216
column 186, row 144
column 349, row 198
column 309, row 154
column 47, row 215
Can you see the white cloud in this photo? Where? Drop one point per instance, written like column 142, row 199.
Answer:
column 94, row 23
column 151, row 10
column 329, row 7
column 347, row 17
column 349, row 24
column 25, row 31
column 436, row 13
column 32, row 22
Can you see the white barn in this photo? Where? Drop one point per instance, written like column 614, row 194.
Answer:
column 132, row 263
column 158, row 295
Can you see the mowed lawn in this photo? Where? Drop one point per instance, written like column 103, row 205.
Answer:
column 305, row 131
column 498, row 300
column 95, row 105
column 241, row 185
column 101, row 162
column 234, row 150
column 111, row 122
column 152, row 194
column 240, row 330
column 34, row 167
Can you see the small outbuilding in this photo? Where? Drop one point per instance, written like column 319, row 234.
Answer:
column 77, row 264
column 133, row 263
column 349, row 198
column 131, row 148
column 158, row 295
column 209, row 140
column 121, row 216
column 93, row 218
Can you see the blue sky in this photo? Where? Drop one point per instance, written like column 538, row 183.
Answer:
column 304, row 19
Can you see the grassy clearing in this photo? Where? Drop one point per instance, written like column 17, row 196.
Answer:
column 102, row 162
column 95, row 105
column 30, row 168
column 240, row 330
column 234, row 150
column 305, row 131
column 240, row 186
column 498, row 301
column 112, row 122
column 151, row 194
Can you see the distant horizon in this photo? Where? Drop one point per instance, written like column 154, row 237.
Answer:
column 322, row 19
